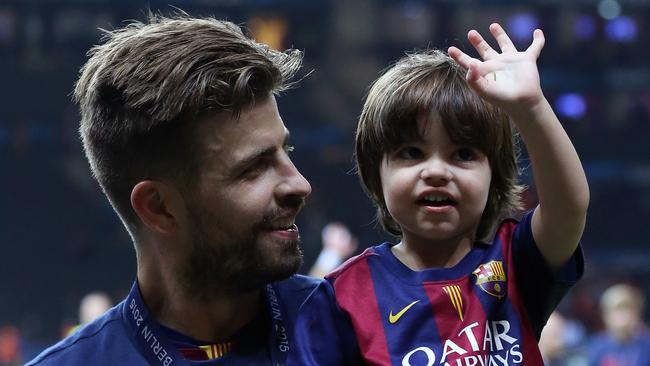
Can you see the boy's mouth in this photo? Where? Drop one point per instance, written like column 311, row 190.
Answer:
column 436, row 200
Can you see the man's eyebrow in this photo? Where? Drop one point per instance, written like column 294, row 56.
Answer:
column 258, row 154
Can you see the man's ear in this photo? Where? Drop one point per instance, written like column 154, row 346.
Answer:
column 158, row 205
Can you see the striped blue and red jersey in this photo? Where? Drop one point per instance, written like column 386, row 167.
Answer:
column 489, row 309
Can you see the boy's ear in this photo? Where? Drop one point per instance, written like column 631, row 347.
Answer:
column 158, row 206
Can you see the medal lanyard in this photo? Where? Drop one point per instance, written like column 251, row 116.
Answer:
column 279, row 341
column 150, row 340
column 154, row 345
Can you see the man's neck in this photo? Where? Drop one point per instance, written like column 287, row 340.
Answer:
column 214, row 318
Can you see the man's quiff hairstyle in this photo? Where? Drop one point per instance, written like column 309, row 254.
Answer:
column 145, row 86
column 431, row 84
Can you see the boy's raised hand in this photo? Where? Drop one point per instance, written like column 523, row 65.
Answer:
column 508, row 79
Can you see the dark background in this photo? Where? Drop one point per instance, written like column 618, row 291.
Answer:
column 59, row 238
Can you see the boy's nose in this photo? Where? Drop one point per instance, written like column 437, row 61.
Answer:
column 436, row 172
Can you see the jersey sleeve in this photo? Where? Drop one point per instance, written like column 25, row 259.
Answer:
column 323, row 333
column 541, row 288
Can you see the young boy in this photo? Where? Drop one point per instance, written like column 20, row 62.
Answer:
column 435, row 152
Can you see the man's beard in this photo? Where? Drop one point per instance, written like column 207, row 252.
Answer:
column 233, row 262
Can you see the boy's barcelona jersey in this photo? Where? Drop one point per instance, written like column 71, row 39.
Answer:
column 489, row 309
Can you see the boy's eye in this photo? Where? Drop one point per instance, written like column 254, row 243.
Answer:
column 410, row 152
column 465, row 154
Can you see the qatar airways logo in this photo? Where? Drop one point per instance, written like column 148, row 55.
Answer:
column 473, row 346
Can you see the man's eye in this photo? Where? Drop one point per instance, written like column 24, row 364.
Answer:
column 289, row 149
column 410, row 152
column 465, row 154
column 254, row 169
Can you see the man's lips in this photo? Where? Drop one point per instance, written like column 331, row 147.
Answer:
column 282, row 223
column 288, row 233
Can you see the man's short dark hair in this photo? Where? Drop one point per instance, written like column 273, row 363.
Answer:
column 147, row 83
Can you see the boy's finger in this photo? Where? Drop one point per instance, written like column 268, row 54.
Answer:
column 538, row 43
column 460, row 57
column 502, row 38
column 474, row 78
column 472, row 73
column 482, row 47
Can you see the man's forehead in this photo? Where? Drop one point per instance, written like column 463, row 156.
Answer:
column 231, row 152
column 234, row 137
column 245, row 139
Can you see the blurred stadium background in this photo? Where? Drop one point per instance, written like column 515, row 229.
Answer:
column 60, row 240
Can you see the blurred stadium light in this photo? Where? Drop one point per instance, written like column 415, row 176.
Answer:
column 585, row 27
column 522, row 25
column 572, row 105
column 621, row 29
column 609, row 9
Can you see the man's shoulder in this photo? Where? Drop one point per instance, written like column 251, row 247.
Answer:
column 103, row 341
column 299, row 282
column 296, row 287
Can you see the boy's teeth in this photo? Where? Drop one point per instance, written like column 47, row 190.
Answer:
column 435, row 198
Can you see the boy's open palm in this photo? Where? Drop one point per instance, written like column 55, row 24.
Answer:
column 508, row 79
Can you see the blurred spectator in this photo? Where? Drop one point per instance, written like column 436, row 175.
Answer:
column 91, row 307
column 338, row 245
column 560, row 340
column 625, row 341
column 9, row 346
column 551, row 343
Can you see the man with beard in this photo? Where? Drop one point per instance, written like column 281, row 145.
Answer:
column 180, row 126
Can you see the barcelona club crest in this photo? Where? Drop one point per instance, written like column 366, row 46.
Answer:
column 491, row 278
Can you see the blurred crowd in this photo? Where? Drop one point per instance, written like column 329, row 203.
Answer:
column 60, row 241
column 623, row 340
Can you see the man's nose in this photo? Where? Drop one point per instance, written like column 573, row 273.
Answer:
column 294, row 183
